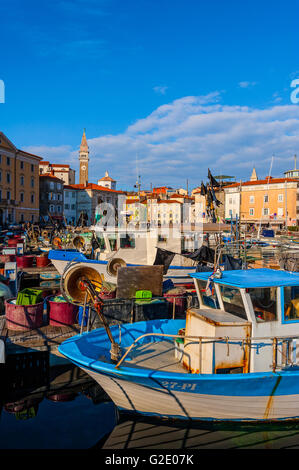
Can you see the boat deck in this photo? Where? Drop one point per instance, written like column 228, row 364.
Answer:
column 159, row 355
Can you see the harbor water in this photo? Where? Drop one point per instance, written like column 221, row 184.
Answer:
column 48, row 403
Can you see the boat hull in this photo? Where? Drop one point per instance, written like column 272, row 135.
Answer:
column 168, row 399
column 240, row 397
column 177, row 274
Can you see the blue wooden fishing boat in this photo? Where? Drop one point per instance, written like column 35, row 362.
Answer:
column 232, row 359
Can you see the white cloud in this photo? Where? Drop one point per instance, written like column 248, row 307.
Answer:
column 160, row 90
column 246, row 84
column 181, row 139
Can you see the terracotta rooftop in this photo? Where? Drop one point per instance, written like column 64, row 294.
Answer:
column 48, row 175
column 267, row 180
column 95, row 187
column 54, row 165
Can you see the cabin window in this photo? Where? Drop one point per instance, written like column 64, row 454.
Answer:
column 113, row 243
column 101, row 242
column 291, row 303
column 232, row 301
column 209, row 297
column 127, row 242
column 264, row 302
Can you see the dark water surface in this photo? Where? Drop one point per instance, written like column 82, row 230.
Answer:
column 47, row 403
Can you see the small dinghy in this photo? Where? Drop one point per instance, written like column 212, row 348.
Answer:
column 232, row 359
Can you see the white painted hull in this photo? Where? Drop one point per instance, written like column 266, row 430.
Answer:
column 176, row 275
column 150, row 400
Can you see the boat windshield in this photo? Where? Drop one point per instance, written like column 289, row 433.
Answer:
column 291, row 303
column 232, row 301
column 209, row 297
column 128, row 241
column 264, row 302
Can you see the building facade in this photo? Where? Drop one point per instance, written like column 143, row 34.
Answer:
column 271, row 200
column 63, row 172
column 107, row 181
column 19, row 184
column 51, row 198
column 70, row 204
column 88, row 198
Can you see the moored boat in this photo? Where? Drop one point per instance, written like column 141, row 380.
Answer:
column 232, row 359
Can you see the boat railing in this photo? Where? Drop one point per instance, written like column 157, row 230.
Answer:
column 285, row 345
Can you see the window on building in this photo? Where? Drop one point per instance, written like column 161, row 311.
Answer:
column 8, row 177
column 51, row 185
column 266, row 198
column 32, row 218
column 22, row 217
column 280, row 212
column 22, row 180
column 32, row 168
column 73, row 207
column 280, row 197
column 59, row 186
column 265, row 211
column 0, row 176
column 51, row 208
column 32, row 182
column 251, row 199
column 0, row 156
column 251, row 211
column 58, row 208
column 59, row 197
column 8, row 161
column 66, row 206
column 22, row 168
column 21, row 197
column 67, row 194
column 8, row 195
column 32, row 198
column 0, row 194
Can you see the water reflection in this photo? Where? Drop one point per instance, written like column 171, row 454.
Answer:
column 47, row 402
column 152, row 434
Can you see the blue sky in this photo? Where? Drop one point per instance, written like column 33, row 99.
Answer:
column 182, row 85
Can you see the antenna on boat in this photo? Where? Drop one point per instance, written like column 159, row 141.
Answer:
column 138, row 183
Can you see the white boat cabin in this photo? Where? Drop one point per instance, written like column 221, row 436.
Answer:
column 255, row 304
column 140, row 245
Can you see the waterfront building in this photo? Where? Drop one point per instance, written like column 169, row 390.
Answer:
column 63, row 172
column 265, row 201
column 90, row 195
column 70, row 204
column 19, row 184
column 51, row 202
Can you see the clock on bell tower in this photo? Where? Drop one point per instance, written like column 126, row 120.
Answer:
column 84, row 159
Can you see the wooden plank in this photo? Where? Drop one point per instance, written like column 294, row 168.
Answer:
column 133, row 278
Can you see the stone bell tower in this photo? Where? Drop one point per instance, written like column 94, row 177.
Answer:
column 84, row 159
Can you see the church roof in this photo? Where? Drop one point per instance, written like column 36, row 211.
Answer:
column 107, row 178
